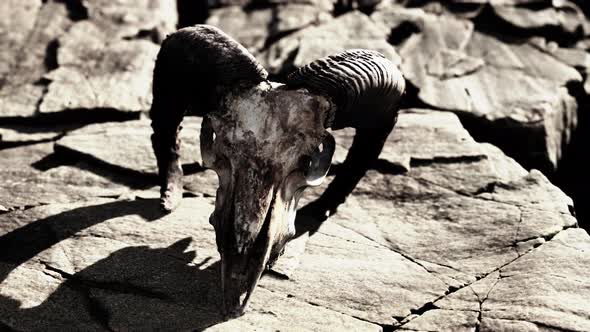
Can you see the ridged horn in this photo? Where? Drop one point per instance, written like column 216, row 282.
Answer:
column 200, row 63
column 365, row 86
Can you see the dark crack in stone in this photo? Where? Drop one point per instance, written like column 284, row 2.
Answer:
column 98, row 72
column 255, row 29
column 28, row 33
column 24, row 184
column 130, row 149
column 352, row 30
column 457, row 69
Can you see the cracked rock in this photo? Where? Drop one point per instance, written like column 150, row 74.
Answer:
column 533, row 190
column 351, row 30
column 129, row 143
column 563, row 15
column 457, row 69
column 24, row 185
column 130, row 150
column 471, row 175
column 254, row 28
column 20, row 135
column 443, row 320
column 28, row 301
column 98, row 72
column 437, row 211
column 249, row 28
column 288, row 314
column 122, row 255
column 529, row 293
column 28, row 31
column 421, row 136
column 358, row 278
column 131, row 18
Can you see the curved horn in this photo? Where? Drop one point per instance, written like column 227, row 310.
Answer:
column 195, row 68
column 199, row 64
column 365, row 86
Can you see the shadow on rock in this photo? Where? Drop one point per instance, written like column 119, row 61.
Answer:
column 24, row 243
column 135, row 288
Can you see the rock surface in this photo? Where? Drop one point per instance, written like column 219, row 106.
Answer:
column 443, row 233
column 130, row 150
column 28, row 33
column 256, row 28
column 98, row 72
column 441, row 218
column 458, row 69
column 563, row 16
column 25, row 183
column 60, row 56
column 351, row 30
column 129, row 143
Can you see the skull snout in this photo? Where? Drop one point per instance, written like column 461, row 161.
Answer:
column 242, row 220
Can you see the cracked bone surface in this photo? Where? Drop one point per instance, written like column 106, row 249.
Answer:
column 260, row 145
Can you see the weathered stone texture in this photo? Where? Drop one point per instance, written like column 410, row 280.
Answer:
column 97, row 72
column 409, row 248
column 352, row 30
column 564, row 16
column 130, row 150
column 443, row 233
column 94, row 64
column 254, row 29
column 25, row 184
column 28, row 33
column 534, row 292
column 150, row 254
column 130, row 18
column 129, row 144
column 513, row 87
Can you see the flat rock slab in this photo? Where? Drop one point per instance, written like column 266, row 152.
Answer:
column 420, row 136
column 104, row 60
column 528, row 294
column 24, row 134
column 564, row 17
column 129, row 143
column 516, row 88
column 25, row 183
column 28, row 32
column 100, row 63
column 324, row 5
column 130, row 150
column 255, row 28
column 132, row 18
column 98, row 72
column 351, row 30
column 439, row 244
column 123, row 255
column 468, row 176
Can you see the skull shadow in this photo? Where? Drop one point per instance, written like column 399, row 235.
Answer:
column 134, row 288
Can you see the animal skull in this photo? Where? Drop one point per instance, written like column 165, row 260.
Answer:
column 266, row 141
column 264, row 144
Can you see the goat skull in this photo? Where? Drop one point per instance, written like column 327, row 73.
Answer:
column 266, row 141
column 263, row 144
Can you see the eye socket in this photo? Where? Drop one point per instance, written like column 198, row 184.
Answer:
column 320, row 161
column 207, row 139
